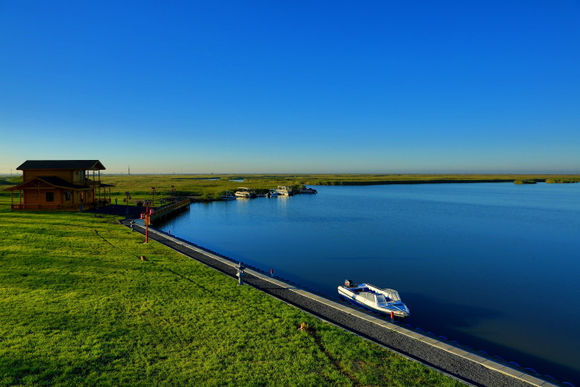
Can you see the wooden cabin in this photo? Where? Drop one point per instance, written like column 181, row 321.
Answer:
column 60, row 185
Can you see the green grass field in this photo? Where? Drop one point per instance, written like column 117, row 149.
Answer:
column 77, row 306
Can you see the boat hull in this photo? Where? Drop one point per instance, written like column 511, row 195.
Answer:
column 244, row 193
column 394, row 308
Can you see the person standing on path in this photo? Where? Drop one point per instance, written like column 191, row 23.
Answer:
column 240, row 274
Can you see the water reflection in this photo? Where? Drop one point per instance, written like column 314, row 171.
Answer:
column 282, row 201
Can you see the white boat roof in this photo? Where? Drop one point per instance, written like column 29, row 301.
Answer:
column 392, row 294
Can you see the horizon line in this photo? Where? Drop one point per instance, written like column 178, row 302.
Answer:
column 19, row 173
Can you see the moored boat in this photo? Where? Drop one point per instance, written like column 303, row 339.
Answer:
column 283, row 190
column 381, row 300
column 244, row 193
column 228, row 196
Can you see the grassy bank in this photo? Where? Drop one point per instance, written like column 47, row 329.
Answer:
column 77, row 306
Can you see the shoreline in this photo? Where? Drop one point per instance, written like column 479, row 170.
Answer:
column 467, row 366
column 132, row 189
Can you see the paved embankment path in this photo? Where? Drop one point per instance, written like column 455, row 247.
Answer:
column 462, row 364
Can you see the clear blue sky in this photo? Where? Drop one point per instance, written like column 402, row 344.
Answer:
column 292, row 86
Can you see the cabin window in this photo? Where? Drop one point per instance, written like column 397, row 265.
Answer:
column 67, row 196
column 50, row 196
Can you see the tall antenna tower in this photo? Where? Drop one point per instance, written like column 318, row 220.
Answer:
column 129, row 170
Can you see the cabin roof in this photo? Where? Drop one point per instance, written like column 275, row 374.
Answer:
column 90, row 165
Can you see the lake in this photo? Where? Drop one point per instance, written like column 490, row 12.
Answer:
column 494, row 266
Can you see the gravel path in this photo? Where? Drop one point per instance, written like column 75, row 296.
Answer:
column 466, row 366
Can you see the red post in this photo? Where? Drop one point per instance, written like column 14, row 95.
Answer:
column 147, row 217
column 392, row 315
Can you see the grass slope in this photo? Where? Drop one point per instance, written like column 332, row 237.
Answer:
column 77, row 306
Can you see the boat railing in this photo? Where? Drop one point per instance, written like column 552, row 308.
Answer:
column 392, row 294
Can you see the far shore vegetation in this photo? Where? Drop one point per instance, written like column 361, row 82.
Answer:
column 525, row 181
column 209, row 187
column 79, row 307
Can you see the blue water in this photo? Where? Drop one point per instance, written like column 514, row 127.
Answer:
column 494, row 265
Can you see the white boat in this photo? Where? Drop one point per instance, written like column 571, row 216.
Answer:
column 244, row 193
column 381, row 300
column 272, row 193
column 283, row 190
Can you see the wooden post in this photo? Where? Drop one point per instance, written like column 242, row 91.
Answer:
column 99, row 178
column 147, row 228
column 146, row 216
column 94, row 191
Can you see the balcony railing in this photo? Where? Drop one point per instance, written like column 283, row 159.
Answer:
column 54, row 207
column 46, row 207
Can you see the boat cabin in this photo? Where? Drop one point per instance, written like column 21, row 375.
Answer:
column 60, row 185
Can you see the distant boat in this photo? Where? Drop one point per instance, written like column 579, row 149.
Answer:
column 307, row 190
column 244, row 193
column 381, row 300
column 283, row 190
column 271, row 193
column 228, row 196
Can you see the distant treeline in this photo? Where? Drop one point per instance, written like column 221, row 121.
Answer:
column 426, row 179
column 563, row 180
column 417, row 181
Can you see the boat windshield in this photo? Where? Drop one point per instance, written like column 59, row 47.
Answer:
column 381, row 299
